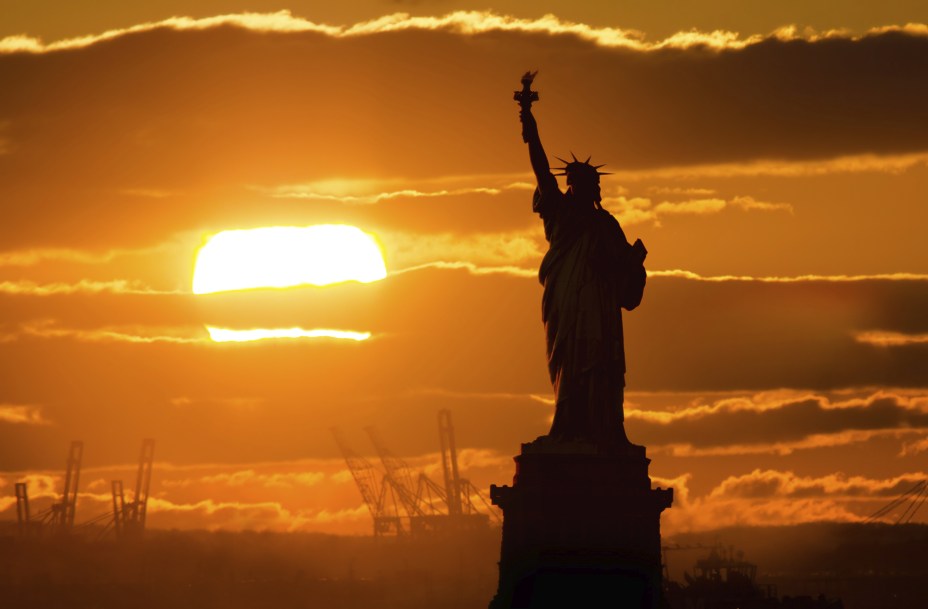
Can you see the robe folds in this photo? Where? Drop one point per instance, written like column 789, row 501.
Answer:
column 589, row 274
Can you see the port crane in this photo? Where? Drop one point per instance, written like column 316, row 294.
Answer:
column 127, row 518
column 403, row 503
column 59, row 517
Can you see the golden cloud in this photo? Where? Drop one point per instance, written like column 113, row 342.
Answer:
column 636, row 210
column 460, row 22
column 251, row 477
column 766, row 401
column 914, row 448
column 470, row 267
column 860, row 163
column 772, row 483
column 684, row 274
column 21, row 414
column 84, row 286
column 262, row 515
column 41, row 485
column 830, row 440
column 319, row 192
column 48, row 329
column 487, row 250
column 33, row 256
column 880, row 338
column 799, row 500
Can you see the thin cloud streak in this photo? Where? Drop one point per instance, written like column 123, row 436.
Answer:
column 814, row 441
column 21, row 415
column 476, row 395
column 228, row 335
column 459, row 22
column 48, row 329
column 308, row 192
column 762, row 403
column 637, row 210
column 683, row 274
column 84, row 286
column 32, row 257
column 251, row 477
column 879, row 338
column 863, row 163
column 471, row 268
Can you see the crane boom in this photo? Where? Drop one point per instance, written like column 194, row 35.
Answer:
column 398, row 474
column 364, row 474
column 380, row 498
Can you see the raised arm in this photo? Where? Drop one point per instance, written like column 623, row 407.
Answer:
column 536, row 152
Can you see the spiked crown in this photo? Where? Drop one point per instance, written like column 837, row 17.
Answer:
column 581, row 169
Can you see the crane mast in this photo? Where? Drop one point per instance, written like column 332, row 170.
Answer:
column 22, row 508
column 129, row 517
column 449, row 463
column 143, row 486
column 119, row 509
column 62, row 514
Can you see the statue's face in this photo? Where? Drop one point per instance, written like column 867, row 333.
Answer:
column 584, row 189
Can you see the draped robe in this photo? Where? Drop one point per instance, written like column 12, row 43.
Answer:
column 588, row 275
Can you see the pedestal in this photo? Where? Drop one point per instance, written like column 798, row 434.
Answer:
column 580, row 529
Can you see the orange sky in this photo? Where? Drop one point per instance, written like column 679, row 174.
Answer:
column 777, row 368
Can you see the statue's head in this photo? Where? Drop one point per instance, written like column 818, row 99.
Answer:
column 582, row 180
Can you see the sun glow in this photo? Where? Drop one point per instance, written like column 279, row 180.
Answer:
column 286, row 256
column 226, row 335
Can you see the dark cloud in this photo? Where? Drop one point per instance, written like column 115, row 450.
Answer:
column 780, row 425
column 204, row 114
column 755, row 335
column 479, row 337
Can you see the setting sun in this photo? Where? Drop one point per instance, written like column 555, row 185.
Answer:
column 286, row 256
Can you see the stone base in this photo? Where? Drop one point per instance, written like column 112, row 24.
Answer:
column 580, row 529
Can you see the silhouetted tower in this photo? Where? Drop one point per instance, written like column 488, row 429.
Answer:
column 129, row 518
column 22, row 508
column 380, row 498
column 139, row 507
column 62, row 513
column 449, row 463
